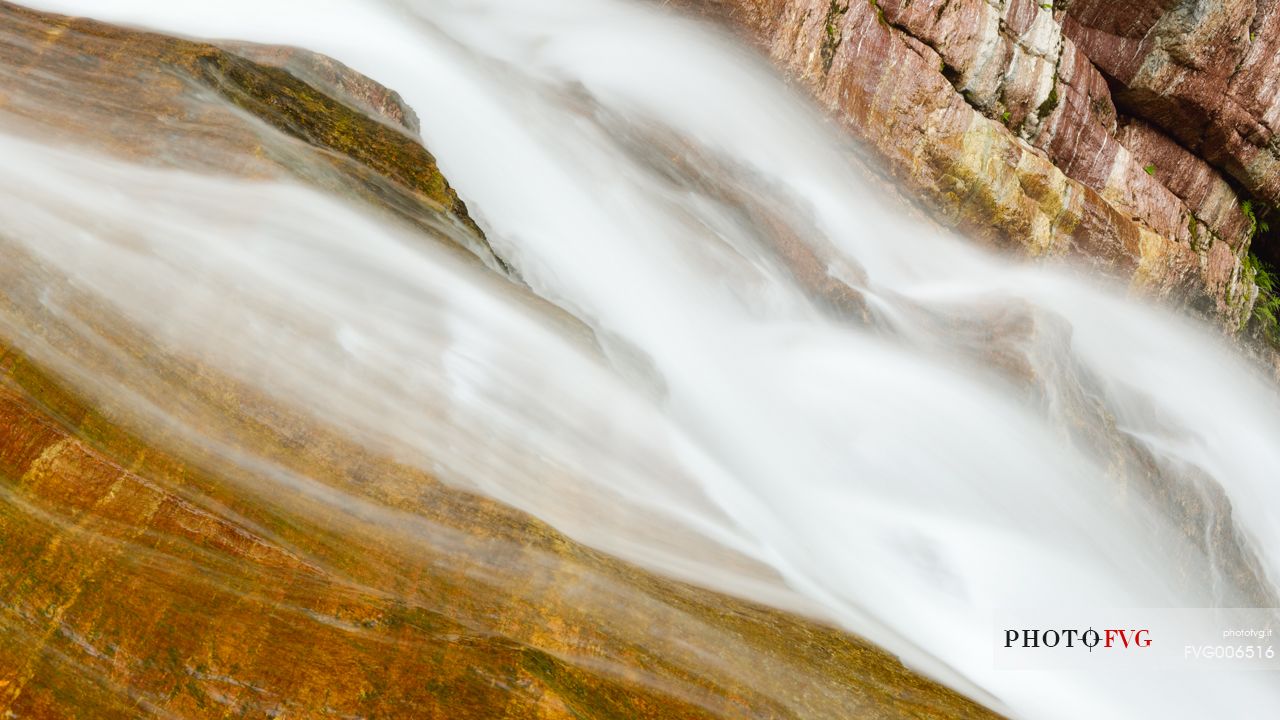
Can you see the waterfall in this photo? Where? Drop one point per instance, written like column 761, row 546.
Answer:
column 793, row 390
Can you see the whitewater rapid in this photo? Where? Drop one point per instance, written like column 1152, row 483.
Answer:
column 896, row 479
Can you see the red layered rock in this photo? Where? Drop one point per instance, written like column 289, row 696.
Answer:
column 1001, row 59
column 1213, row 201
column 1013, row 63
column 1011, row 135
column 1207, row 74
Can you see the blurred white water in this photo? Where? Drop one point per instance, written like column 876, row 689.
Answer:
column 896, row 480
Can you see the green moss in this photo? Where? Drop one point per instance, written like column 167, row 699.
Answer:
column 1050, row 103
column 880, row 18
column 1266, row 309
column 297, row 109
column 385, row 166
column 1150, row 170
column 832, row 39
column 1258, row 214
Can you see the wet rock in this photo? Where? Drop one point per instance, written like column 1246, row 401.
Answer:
column 147, row 573
column 250, row 111
column 333, row 79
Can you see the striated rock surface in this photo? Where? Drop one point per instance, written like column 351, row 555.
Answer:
column 1021, row 123
column 138, row 583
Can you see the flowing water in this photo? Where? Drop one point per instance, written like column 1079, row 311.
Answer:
column 898, row 433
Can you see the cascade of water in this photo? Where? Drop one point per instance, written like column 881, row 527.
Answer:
column 893, row 428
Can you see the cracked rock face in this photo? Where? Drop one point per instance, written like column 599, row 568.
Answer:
column 1124, row 134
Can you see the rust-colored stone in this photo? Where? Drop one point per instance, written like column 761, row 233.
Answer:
column 147, row 574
